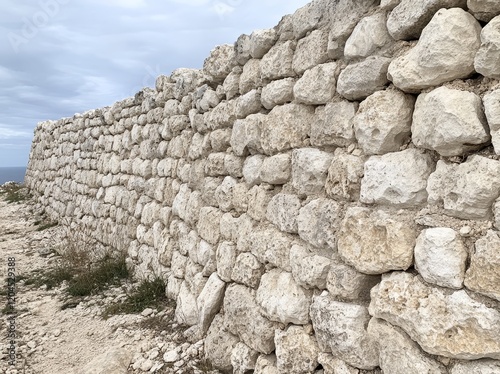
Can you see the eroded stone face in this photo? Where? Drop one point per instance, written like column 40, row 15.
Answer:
column 489, row 52
column 452, row 325
column 296, row 351
column 317, row 85
column 369, row 35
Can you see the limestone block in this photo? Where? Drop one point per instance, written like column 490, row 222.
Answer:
column 398, row 179
column 209, row 301
column 234, row 165
column 276, row 169
column 332, row 365
column 444, row 52
column 369, row 35
column 306, row 19
column 484, row 10
column 240, row 307
column 224, row 194
column 247, row 270
column 277, row 63
column 296, row 351
column 277, row 93
column 383, row 122
column 246, row 135
column 112, row 361
column 451, row 122
column 452, row 325
column 223, row 115
column 317, row 85
column 243, row 358
column 261, row 42
column 400, row 354
column 242, row 49
column 347, row 283
column 283, row 210
column 186, row 311
column 476, row 367
column 247, row 104
column 341, row 328
column 266, row 364
column 489, row 52
column 282, row 299
column 220, row 62
column 219, row 344
column 376, row 241
column 310, row 51
column 309, row 170
column 440, row 257
column 208, row 224
column 491, row 103
column 358, row 81
column 318, row 222
column 344, row 176
column 467, row 190
column 210, row 99
column 226, row 257
column 220, row 140
column 250, row 77
column 286, row 126
column 178, row 264
column 309, row 270
column 214, row 165
column 333, row 124
column 483, row 275
column 231, row 84
column 271, row 245
column 251, row 169
column 258, row 198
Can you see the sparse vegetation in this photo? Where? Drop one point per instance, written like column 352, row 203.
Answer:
column 14, row 192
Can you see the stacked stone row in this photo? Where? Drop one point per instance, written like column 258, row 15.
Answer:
column 323, row 195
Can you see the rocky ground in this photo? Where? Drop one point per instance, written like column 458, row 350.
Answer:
column 78, row 340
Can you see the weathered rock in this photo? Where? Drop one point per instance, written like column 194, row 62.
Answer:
column 283, row 210
column 210, row 301
column 491, row 103
column 398, row 179
column 333, row 124
column 383, row 122
column 358, row 81
column 347, row 283
column 489, row 52
column 266, row 365
column 308, row 18
column 445, row 51
column 310, row 51
column 240, row 308
column 208, row 224
column 247, row 104
column 250, row 78
column 452, row 325
column 440, row 257
column 317, row 85
column 369, row 35
column 113, row 361
column 341, row 329
column 309, row 170
column 277, row 63
column 226, row 257
column 375, row 241
column 186, row 311
column 484, row 10
column 219, row 344
column 282, row 299
column 451, row 122
column 476, row 367
column 242, row 49
column 261, row 42
column 296, row 351
column 467, row 190
column 400, row 354
column 277, row 93
column 276, row 169
column 344, row 176
column 332, row 365
column 271, row 245
column 308, row 269
column 231, row 84
column 246, row 135
column 251, row 169
column 483, row 275
column 243, row 358
column 247, row 270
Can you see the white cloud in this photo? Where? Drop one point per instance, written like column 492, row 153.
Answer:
column 7, row 132
column 126, row 3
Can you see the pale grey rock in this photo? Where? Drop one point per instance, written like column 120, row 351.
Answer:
column 250, row 78
column 178, row 264
column 247, row 270
column 242, row 49
column 489, row 52
column 296, row 350
column 483, row 275
column 209, row 301
column 358, row 81
column 344, row 176
column 484, row 10
column 246, row 135
column 276, row 169
column 440, row 257
column 308, row 18
column 408, row 18
column 308, row 269
column 467, row 190
column 317, row 85
column 444, row 52
column 209, row 100
column 234, row 165
column 173, row 287
column 451, row 122
column 222, row 116
column 258, row 198
column 332, row 365
column 208, row 224
column 243, row 358
column 219, row 343
column 309, row 170
column 226, row 257
column 186, row 311
column 220, row 62
column 251, row 169
column 224, row 194
column 375, row 241
column 383, row 121
column 277, row 93
column 476, row 367
column 310, row 51
column 271, row 245
column 113, row 361
column 277, row 63
column 400, row 354
column 347, row 283
column 333, row 124
column 261, row 42
column 286, row 127
column 318, row 222
column 398, row 179
column 240, row 307
column 341, row 329
column 491, row 103
column 452, row 325
column 283, row 210
column 282, row 299
column 231, row 84
column 369, row 35
column 247, row 104
column 266, row 364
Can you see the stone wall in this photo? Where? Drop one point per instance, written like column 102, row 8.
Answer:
column 323, row 194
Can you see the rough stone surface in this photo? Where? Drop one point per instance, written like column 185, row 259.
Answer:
column 489, row 52
column 310, row 51
column 209, row 301
column 317, row 85
column 219, row 344
column 247, row 270
column 309, row 170
column 309, row 270
column 369, row 35
column 491, row 103
column 449, row 121
column 296, row 351
column 347, row 283
column 344, row 176
column 277, row 93
column 476, row 367
column 484, row 10
column 243, row 358
column 277, row 63
column 452, row 325
column 283, row 210
column 261, row 41
column 333, row 126
column 276, row 169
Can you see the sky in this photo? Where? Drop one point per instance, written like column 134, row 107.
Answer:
column 60, row 57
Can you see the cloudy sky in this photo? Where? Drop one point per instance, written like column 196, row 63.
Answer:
column 60, row 57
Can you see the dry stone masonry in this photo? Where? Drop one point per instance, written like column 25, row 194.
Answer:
column 322, row 197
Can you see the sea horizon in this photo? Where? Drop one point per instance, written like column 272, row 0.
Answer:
column 12, row 173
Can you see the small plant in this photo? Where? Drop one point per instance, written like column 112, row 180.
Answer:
column 14, row 192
